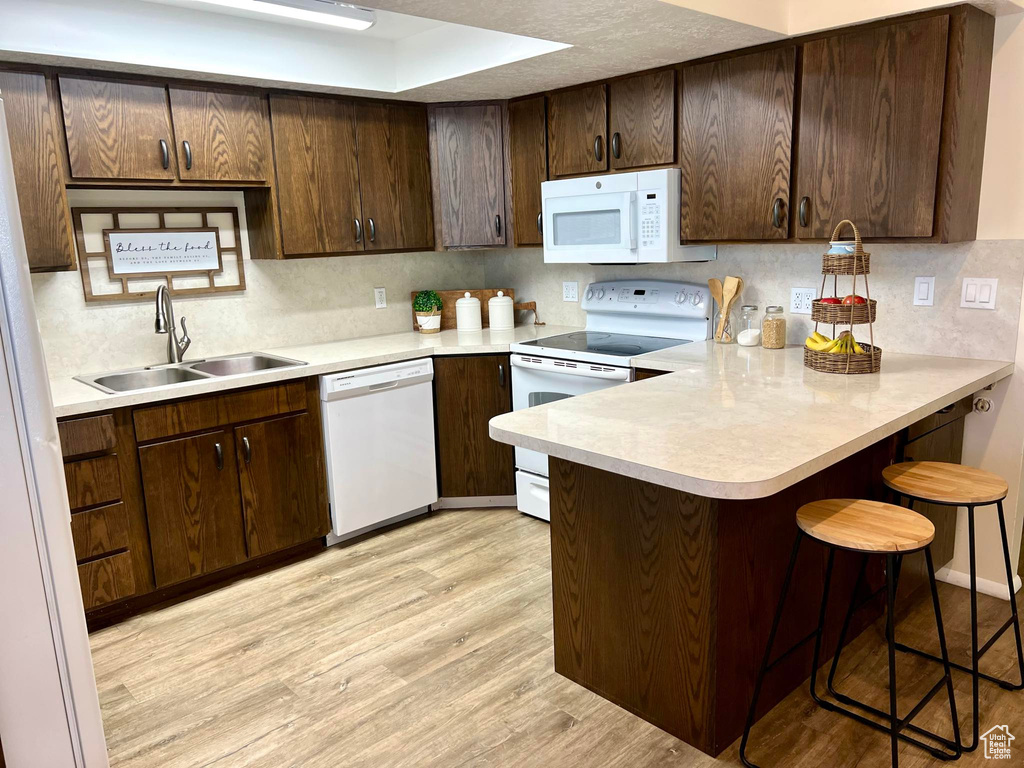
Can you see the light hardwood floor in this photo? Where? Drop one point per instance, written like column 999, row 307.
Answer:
column 430, row 645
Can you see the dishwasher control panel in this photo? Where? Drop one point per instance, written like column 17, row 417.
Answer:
column 380, row 377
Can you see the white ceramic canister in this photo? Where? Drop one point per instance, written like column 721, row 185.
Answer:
column 467, row 313
column 501, row 316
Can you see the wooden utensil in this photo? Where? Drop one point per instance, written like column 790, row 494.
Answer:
column 715, row 286
column 730, row 292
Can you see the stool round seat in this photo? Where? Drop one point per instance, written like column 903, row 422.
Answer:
column 865, row 526
column 945, row 483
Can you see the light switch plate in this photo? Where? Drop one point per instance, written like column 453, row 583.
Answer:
column 924, row 291
column 570, row 291
column 380, row 298
column 979, row 292
column 800, row 300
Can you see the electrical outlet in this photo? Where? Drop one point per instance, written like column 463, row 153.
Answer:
column 380, row 298
column 570, row 291
column 800, row 300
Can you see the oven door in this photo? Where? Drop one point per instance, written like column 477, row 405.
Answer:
column 593, row 228
column 540, row 380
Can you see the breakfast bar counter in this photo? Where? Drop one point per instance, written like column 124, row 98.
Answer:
column 672, row 516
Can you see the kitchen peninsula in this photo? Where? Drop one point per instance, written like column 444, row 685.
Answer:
column 672, row 515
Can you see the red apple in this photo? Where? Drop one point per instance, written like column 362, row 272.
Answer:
column 831, row 300
column 851, row 299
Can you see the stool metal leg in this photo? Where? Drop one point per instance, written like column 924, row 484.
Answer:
column 954, row 719
column 890, row 636
column 830, row 682
column 975, row 656
column 766, row 664
column 1013, row 601
column 821, row 620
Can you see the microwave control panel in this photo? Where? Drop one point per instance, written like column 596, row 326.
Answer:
column 651, row 215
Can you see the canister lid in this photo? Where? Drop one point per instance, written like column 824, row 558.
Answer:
column 500, row 300
column 467, row 300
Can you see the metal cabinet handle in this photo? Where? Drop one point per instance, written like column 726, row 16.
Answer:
column 497, row 225
column 359, row 230
column 501, row 375
column 777, row 213
column 373, row 229
column 805, row 203
column 188, row 155
column 598, row 154
column 246, row 449
column 220, row 456
column 616, row 145
column 165, row 154
column 947, row 409
column 540, row 222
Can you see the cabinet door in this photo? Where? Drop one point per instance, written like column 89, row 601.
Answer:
column 642, row 120
column 222, row 136
column 577, row 124
column 471, row 173
column 317, row 174
column 734, row 147
column 38, row 175
column 117, row 130
column 528, row 152
column 394, row 176
column 192, row 502
column 284, row 500
column 470, row 391
column 870, row 120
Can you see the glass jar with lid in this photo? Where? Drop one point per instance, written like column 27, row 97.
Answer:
column 748, row 326
column 773, row 328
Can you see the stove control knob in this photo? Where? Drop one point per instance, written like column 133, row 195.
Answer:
column 696, row 299
column 680, row 297
column 600, row 293
column 590, row 294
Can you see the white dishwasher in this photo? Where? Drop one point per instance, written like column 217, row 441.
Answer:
column 379, row 441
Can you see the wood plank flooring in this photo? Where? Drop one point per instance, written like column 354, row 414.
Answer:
column 430, row 645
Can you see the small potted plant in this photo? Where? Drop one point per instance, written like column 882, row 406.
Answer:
column 427, row 307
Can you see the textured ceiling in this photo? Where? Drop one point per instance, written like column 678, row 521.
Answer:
column 609, row 37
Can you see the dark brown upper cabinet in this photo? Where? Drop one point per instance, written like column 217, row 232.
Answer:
column 317, row 174
column 221, row 135
column 117, row 130
column 394, row 176
column 869, row 132
column 38, row 171
column 528, row 152
column 735, row 144
column 468, row 146
column 283, row 491
column 642, row 120
column 577, row 127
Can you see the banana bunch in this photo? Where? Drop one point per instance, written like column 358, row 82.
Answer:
column 844, row 344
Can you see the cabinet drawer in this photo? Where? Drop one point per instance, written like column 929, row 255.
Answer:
column 201, row 413
column 106, row 580
column 100, row 531
column 92, row 482
column 938, row 419
column 81, row 437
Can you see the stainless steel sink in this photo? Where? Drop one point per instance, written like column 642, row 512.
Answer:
column 180, row 373
column 144, row 379
column 248, row 363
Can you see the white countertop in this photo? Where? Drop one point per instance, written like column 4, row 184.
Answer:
column 741, row 422
column 72, row 398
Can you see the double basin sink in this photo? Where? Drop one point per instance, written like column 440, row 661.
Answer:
column 177, row 373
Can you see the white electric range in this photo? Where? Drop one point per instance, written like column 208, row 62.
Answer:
column 625, row 319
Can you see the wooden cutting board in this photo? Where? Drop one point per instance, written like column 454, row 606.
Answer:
column 448, row 299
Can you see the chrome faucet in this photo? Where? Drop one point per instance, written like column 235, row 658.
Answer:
column 165, row 324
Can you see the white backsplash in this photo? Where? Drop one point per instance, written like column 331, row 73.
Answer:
column 285, row 302
column 769, row 271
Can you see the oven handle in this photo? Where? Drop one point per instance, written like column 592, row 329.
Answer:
column 585, row 370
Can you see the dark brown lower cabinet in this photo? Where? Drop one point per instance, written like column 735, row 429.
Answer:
column 193, row 504
column 469, row 391
column 281, row 492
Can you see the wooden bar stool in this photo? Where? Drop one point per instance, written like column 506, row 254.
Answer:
column 868, row 528
column 955, row 485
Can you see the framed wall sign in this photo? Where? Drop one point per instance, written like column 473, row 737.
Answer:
column 125, row 253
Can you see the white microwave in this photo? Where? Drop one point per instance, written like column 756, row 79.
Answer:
column 620, row 218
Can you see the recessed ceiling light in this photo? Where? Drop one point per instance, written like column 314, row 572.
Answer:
column 326, row 12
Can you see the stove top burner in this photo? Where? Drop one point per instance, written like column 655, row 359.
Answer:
column 600, row 343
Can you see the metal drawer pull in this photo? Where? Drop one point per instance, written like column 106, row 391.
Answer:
column 188, row 155
column 616, row 145
column 501, row 375
column 597, row 149
column 247, row 449
column 220, row 456
column 373, row 230
column 359, row 230
column 540, row 222
column 165, row 154
column 947, row 409
column 777, row 213
column 805, row 203
column 497, row 225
